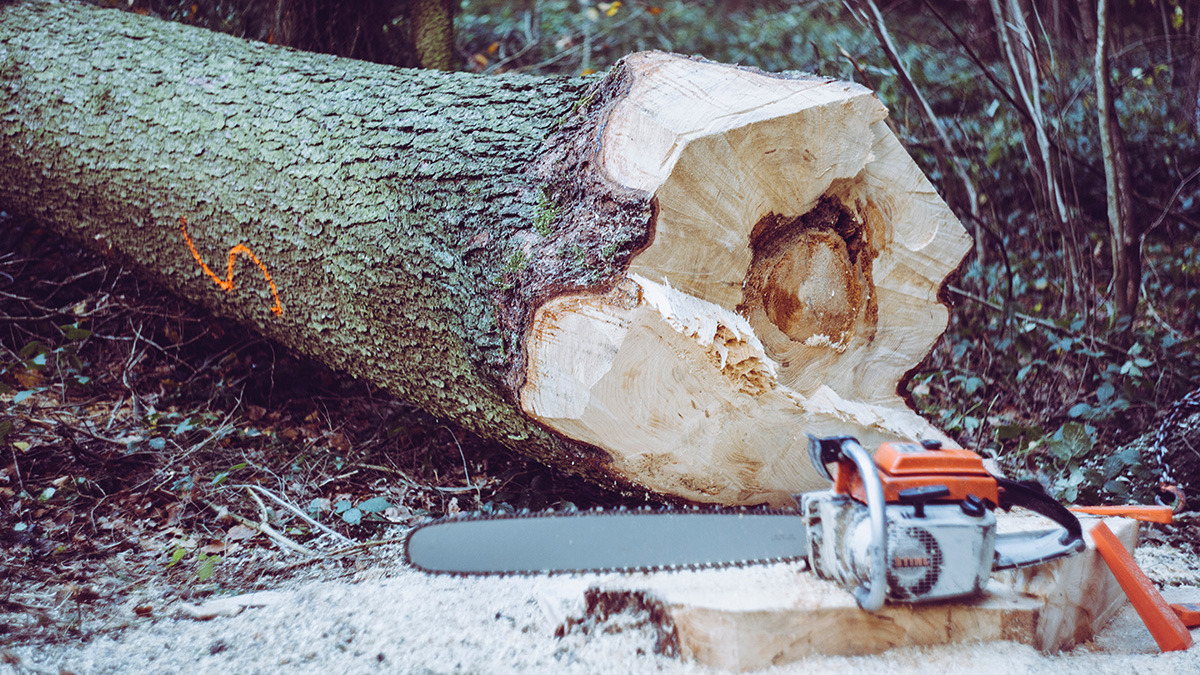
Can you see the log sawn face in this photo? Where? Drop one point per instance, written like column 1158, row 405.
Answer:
column 789, row 282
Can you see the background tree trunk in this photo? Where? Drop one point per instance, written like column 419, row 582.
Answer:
column 1126, row 240
column 661, row 280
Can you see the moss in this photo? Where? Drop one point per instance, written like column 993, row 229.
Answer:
column 545, row 213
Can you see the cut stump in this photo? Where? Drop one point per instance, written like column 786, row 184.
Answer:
column 757, row 617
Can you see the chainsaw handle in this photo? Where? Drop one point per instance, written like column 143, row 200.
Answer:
column 1018, row 493
column 870, row 597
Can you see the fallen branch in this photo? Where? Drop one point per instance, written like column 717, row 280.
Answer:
column 299, row 513
column 335, row 554
column 407, row 480
column 264, row 528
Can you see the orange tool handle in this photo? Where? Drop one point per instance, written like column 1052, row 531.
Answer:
column 1167, row 628
column 1152, row 514
column 1188, row 613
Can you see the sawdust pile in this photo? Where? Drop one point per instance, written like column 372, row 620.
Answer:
column 388, row 618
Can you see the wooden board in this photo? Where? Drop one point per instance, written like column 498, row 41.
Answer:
column 756, row 617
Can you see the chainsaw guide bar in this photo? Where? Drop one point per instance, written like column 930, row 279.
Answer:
column 600, row 541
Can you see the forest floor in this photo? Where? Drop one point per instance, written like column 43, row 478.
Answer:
column 155, row 460
column 366, row 611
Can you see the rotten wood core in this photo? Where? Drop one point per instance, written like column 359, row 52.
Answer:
column 811, row 275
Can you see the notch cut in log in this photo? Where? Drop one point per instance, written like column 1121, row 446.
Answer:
column 661, row 280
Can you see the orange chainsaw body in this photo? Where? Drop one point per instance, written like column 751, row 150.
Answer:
column 903, row 466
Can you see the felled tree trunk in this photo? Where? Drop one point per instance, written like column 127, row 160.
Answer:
column 661, row 280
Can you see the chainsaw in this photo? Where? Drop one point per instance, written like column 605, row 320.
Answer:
column 914, row 523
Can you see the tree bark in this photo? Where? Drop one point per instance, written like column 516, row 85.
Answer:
column 660, row 280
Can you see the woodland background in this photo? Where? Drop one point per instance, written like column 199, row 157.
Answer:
column 132, row 421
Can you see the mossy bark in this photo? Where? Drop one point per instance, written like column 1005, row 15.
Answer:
column 432, row 27
column 393, row 210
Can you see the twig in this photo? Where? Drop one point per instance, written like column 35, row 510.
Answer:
column 948, row 154
column 404, row 478
column 17, row 467
column 262, row 508
column 1045, row 323
column 266, row 529
column 54, row 426
column 113, row 415
column 303, row 516
column 132, row 362
column 1175, row 213
column 466, row 474
column 336, row 554
column 1167, row 208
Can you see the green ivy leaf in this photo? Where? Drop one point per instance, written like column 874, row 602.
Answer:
column 32, row 348
column 374, row 505
column 1071, row 441
column 1117, row 487
column 1079, row 410
column 74, row 333
column 177, row 555
column 352, row 516
column 1118, row 462
column 206, row 568
column 972, row 385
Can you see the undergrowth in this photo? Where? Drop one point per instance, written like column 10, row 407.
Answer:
column 134, row 424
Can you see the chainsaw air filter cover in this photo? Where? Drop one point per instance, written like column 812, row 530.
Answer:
column 944, row 552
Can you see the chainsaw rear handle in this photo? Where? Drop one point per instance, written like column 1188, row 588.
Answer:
column 869, row 596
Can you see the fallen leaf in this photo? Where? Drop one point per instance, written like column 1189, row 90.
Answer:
column 339, row 442
column 28, row 379
column 240, row 532
column 215, row 546
column 85, row 594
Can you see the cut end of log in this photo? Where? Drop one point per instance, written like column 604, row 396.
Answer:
column 789, row 284
column 683, row 395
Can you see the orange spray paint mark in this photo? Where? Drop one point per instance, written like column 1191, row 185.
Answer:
column 227, row 283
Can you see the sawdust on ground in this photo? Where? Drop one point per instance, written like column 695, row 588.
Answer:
column 387, row 618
